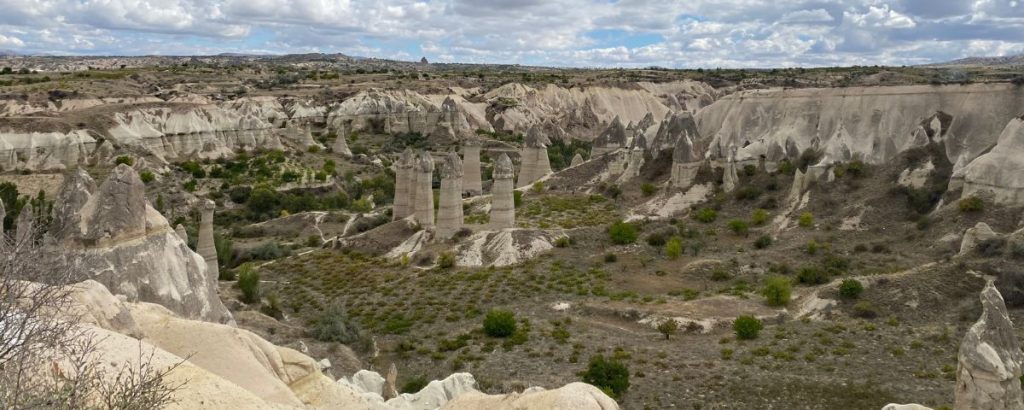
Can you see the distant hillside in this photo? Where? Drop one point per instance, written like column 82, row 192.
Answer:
column 1006, row 61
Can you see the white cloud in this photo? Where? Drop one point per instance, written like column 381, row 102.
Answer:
column 11, row 41
column 807, row 16
column 882, row 16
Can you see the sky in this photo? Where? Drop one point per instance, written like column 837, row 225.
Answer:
column 570, row 33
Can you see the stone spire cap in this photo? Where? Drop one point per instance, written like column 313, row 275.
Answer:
column 503, row 168
column 451, row 167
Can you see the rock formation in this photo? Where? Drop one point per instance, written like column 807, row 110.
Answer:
column 206, row 246
column 423, row 200
column 74, row 193
column 730, row 178
column 576, row 160
column 405, row 183
column 974, row 236
column 340, row 146
column 534, row 156
column 686, row 161
column 1001, row 170
column 471, row 182
column 3, row 215
column 503, row 209
column 613, row 138
column 25, row 225
column 573, row 396
column 180, row 231
column 131, row 249
column 990, row 359
column 675, row 127
column 449, row 213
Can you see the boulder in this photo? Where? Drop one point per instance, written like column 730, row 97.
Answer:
column 573, row 396
column 975, row 236
column 990, row 359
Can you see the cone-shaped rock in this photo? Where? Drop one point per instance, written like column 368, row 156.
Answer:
column 340, row 146
column 731, row 178
column 576, row 160
column 471, row 182
column 206, row 247
column 74, row 192
column 424, row 199
column 675, row 127
column 405, row 180
column 449, row 213
column 989, row 369
column 25, row 223
column 686, row 161
column 613, row 138
column 535, row 164
column 118, row 208
column 180, row 231
column 502, row 201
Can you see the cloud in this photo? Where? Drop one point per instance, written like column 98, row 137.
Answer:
column 621, row 33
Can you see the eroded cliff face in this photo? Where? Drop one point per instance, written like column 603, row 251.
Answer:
column 870, row 123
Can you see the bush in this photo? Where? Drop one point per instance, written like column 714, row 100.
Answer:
column 991, row 247
column 806, row 220
column 517, row 198
column 865, row 310
column 124, row 159
column 811, row 275
column 609, row 375
column 414, row 385
column 537, row 187
column 777, row 291
column 750, row 170
column 748, row 194
column 622, row 233
column 147, row 177
column 706, row 215
column 763, row 241
column 648, row 189
column 563, row 242
column 656, row 239
column 610, row 258
column 971, row 204
column 851, row 289
column 812, row 247
column 446, row 260
column 786, row 167
column 189, row 186
column 249, row 283
column 334, row 325
column 759, row 217
column 499, row 323
column 739, row 227
column 668, row 328
column 719, row 274
column 747, row 327
column 674, row 248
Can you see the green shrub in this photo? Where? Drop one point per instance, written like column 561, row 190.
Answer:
column 674, row 248
column 147, row 177
column 991, row 247
column 750, row 170
column 537, row 187
column 811, row 275
column 446, row 260
column 739, row 227
column 759, row 217
column 414, row 385
column 517, row 198
column 499, row 323
column 563, row 242
column 748, row 193
column 189, row 186
column 668, row 328
column 763, row 241
column 609, row 375
column 648, row 189
column 812, row 247
column 249, row 283
column 855, row 168
column 610, row 258
column 124, row 159
column 971, row 204
column 273, row 307
column 851, row 289
column 747, row 327
column 719, row 274
column 806, row 220
column 865, row 310
column 622, row 233
column 225, row 249
column 777, row 291
column 786, row 167
column 706, row 215
column 334, row 325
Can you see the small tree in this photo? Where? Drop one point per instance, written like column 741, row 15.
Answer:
column 668, row 328
column 622, row 233
column 611, row 376
column 674, row 248
column 648, row 189
column 763, row 241
column 806, row 220
column 851, row 289
column 777, row 291
column 706, row 215
column 739, row 227
column 747, row 327
column 759, row 217
column 249, row 283
column 499, row 323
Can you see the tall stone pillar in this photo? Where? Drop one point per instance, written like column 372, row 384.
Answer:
column 686, row 161
column 449, row 213
column 24, row 230
column 503, row 207
column 424, row 199
column 180, row 231
column 576, row 160
column 471, row 167
column 990, row 360
column 535, row 164
column 340, row 146
column 3, row 215
column 731, row 177
column 206, row 247
column 404, row 185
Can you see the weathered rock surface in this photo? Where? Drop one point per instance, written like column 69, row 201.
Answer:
column 975, row 236
column 449, row 213
column 611, row 139
column 471, row 182
column 505, row 247
column 990, row 358
column 1001, row 170
column 534, row 158
column 423, row 201
column 576, row 160
column 503, row 210
column 573, row 396
column 404, row 185
column 205, row 244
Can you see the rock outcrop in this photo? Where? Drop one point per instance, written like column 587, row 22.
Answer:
column 449, row 213
column 471, row 182
column 130, row 248
column 730, row 178
column 975, row 236
column 503, row 209
column 180, row 231
column 423, row 200
column 990, row 359
column 534, row 158
column 687, row 157
column 573, row 396
column 340, row 146
column 576, row 160
column 613, row 138
column 405, row 183
column 3, row 215
column 205, row 245
column 1001, row 170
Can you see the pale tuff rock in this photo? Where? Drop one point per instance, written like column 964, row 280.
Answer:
column 3, row 215
column 905, row 407
column 180, row 231
column 1001, row 170
column 471, row 182
column 635, row 159
column 398, row 111
column 449, row 213
column 975, row 236
column 423, row 201
column 404, row 185
column 130, row 248
column 573, row 396
column 390, row 383
column 24, row 225
column 534, row 156
column 916, row 177
column 990, row 357
column 504, row 247
column 46, row 151
column 205, row 246
column 675, row 127
column 613, row 138
column 502, row 200
column 576, row 160
column 730, row 178
column 340, row 146
column 686, row 157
